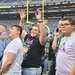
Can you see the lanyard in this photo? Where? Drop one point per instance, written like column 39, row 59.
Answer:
column 58, row 41
column 65, row 40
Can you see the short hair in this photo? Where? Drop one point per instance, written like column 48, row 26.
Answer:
column 70, row 19
column 3, row 25
column 33, row 25
column 19, row 28
column 36, row 25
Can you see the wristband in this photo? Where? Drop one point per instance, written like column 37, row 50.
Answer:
column 55, row 37
column 40, row 21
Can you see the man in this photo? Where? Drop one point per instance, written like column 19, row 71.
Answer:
column 13, row 54
column 54, row 44
column 65, row 60
column 3, row 40
column 34, row 44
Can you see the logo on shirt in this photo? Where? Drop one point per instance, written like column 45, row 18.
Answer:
column 26, row 47
column 62, row 47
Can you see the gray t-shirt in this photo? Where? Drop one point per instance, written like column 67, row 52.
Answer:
column 65, row 59
column 16, row 47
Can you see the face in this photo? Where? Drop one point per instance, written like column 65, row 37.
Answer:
column 66, row 27
column 13, row 32
column 35, row 31
column 2, row 29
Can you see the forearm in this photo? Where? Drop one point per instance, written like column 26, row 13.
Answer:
column 5, row 67
column 42, row 30
column 42, row 34
column 22, row 23
column 54, row 44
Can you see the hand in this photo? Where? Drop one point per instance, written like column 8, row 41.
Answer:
column 22, row 14
column 38, row 14
column 45, row 22
column 57, row 34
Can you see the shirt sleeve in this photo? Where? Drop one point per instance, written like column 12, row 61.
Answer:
column 28, row 35
column 13, row 47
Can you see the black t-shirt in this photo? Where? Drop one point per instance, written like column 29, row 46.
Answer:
column 33, row 56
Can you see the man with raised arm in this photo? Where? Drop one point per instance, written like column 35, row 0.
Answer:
column 34, row 43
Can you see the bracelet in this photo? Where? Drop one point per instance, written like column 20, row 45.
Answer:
column 40, row 21
column 55, row 37
column 22, row 21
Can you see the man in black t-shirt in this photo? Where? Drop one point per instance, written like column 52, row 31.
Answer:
column 33, row 46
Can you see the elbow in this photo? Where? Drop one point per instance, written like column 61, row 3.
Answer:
column 53, row 48
column 43, row 40
column 9, row 63
column 43, row 43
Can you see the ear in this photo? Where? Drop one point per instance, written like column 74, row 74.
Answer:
column 74, row 27
column 18, row 32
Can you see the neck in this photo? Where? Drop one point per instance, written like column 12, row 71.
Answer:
column 14, row 37
column 67, row 35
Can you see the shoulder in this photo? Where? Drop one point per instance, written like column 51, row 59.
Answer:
column 27, row 36
column 15, row 41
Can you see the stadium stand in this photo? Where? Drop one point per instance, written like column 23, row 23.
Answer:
column 52, row 23
column 53, row 12
column 34, row 1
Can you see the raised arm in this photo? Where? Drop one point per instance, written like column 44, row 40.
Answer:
column 56, row 36
column 22, row 18
column 42, row 37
